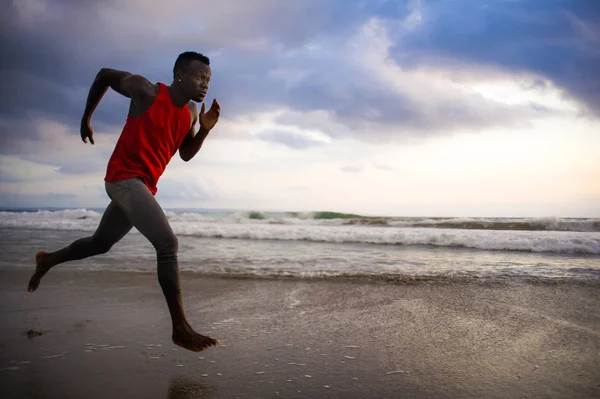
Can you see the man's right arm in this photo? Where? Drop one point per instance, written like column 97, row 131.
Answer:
column 135, row 87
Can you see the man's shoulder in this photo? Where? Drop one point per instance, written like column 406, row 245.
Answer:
column 154, row 88
column 149, row 92
column 141, row 86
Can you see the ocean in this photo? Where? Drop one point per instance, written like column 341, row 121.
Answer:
column 326, row 245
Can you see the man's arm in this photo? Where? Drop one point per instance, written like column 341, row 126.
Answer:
column 125, row 83
column 207, row 120
column 193, row 141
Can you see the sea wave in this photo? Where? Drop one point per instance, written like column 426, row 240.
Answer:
column 332, row 218
column 304, row 227
column 70, row 216
column 526, row 224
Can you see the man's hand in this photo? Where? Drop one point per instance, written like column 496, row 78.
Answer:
column 193, row 142
column 209, row 119
column 87, row 131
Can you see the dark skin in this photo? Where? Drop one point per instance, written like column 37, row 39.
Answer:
column 189, row 86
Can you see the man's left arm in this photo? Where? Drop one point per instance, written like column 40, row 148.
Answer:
column 193, row 140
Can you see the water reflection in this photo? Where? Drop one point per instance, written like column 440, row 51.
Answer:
column 185, row 388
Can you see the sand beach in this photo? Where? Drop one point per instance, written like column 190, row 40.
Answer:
column 102, row 334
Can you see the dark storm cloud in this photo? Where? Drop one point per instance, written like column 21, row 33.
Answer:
column 47, row 71
column 51, row 52
column 361, row 108
column 558, row 39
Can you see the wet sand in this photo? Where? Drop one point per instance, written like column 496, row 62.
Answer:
column 107, row 335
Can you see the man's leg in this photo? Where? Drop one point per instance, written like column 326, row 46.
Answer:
column 113, row 226
column 146, row 215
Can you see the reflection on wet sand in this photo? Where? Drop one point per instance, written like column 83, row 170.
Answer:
column 185, row 388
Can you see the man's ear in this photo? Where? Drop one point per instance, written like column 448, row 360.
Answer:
column 177, row 75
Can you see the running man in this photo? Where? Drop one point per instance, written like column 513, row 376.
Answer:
column 160, row 122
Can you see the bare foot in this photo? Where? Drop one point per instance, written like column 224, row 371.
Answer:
column 189, row 339
column 41, row 268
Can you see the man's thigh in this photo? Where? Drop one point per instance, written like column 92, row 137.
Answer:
column 141, row 208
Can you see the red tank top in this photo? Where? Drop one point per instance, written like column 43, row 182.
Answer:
column 148, row 142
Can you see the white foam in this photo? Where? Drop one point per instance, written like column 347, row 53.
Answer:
column 534, row 241
column 238, row 225
column 70, row 219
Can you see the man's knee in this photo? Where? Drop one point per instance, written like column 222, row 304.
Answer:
column 101, row 246
column 167, row 245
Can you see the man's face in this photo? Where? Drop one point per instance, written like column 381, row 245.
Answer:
column 195, row 79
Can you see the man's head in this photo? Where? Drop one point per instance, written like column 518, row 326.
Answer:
column 191, row 74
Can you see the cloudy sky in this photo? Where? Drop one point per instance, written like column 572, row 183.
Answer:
column 409, row 108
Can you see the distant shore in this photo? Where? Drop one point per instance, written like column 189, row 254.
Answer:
column 106, row 334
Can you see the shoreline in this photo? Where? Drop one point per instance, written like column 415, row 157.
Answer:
column 346, row 278
column 108, row 334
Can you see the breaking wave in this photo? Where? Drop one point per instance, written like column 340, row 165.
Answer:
column 556, row 235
